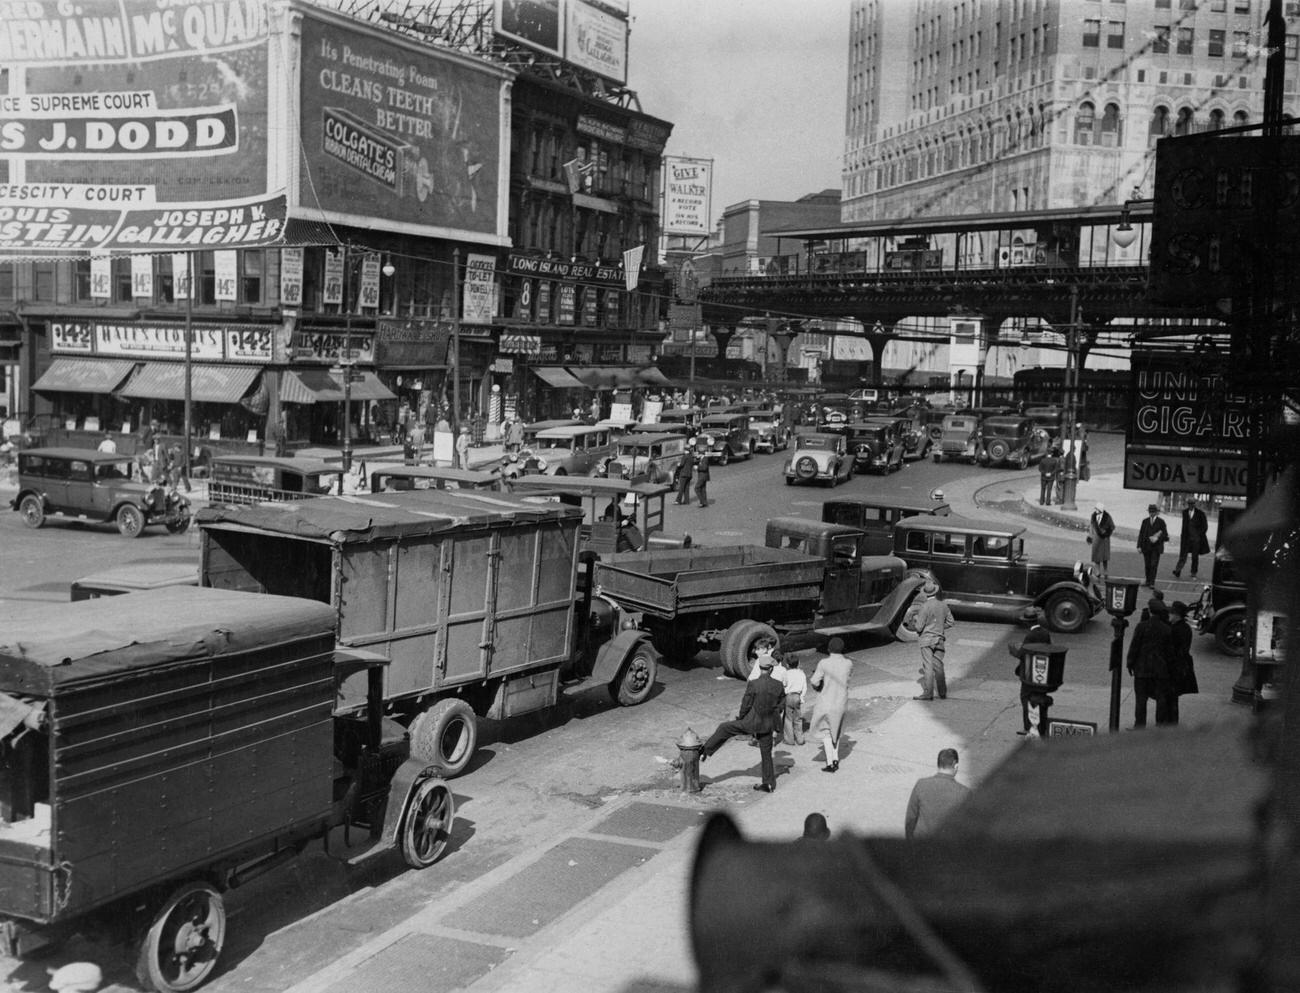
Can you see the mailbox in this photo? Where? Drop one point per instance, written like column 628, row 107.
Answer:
column 1042, row 666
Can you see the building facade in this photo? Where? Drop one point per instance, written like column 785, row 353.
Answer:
column 980, row 106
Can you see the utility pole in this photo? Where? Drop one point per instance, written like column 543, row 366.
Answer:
column 1071, row 476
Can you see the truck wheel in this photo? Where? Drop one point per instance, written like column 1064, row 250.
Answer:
column 1067, row 613
column 32, row 510
column 445, row 735
column 180, row 949
column 427, row 827
column 130, row 521
column 637, row 679
column 738, row 646
column 1230, row 634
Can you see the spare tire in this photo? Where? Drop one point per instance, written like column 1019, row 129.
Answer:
column 998, row 450
column 806, row 468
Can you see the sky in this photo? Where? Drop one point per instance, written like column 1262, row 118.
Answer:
column 756, row 85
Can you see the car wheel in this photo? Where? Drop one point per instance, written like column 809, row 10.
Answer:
column 130, row 521
column 32, row 510
column 1023, row 461
column 935, row 434
column 998, row 451
column 1067, row 612
column 1230, row 634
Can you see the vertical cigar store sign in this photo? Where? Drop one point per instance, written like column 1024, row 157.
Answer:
column 102, row 149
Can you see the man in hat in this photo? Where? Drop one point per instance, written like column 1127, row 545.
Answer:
column 1149, row 654
column 1194, row 538
column 629, row 535
column 1037, row 635
column 930, row 618
column 761, row 709
column 831, row 681
column 1048, row 466
column 702, row 478
column 1152, row 536
column 682, row 475
column 462, row 449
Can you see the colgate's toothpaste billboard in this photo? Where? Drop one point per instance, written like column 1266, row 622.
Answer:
column 137, row 125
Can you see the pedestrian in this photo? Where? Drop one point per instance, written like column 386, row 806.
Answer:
column 147, row 434
column 1100, row 527
column 514, row 435
column 1048, row 466
column 796, row 685
column 1182, row 676
column 930, row 618
column 702, row 479
column 815, row 828
column 1152, row 536
column 462, row 448
column 1149, row 655
column 682, row 477
column 760, row 715
column 935, row 797
column 831, row 681
column 107, row 445
column 1037, row 635
column 1193, row 540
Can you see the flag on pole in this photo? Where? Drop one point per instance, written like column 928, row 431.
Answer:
column 632, row 266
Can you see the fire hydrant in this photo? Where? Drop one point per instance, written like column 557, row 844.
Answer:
column 689, row 748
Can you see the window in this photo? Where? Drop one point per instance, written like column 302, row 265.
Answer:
column 1110, row 126
column 252, row 266
column 949, row 544
column 1186, row 4
column 991, row 547
column 1216, row 120
column 1160, row 43
column 6, row 280
column 1240, row 44
column 1242, row 6
column 1159, row 122
column 43, row 281
column 1217, row 40
column 1186, row 40
column 1184, row 123
column 1115, row 34
column 1162, row 4
column 1218, row 6
column 1084, row 121
column 1292, row 47
column 918, row 541
column 1092, row 33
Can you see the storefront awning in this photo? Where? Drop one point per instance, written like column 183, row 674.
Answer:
column 650, row 376
column 557, row 377
column 83, row 376
column 606, row 377
column 322, row 386
column 208, row 383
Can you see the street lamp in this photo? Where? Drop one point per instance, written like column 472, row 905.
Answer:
column 1121, row 601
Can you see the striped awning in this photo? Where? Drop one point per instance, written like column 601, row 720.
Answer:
column 83, row 376
column 310, row 386
column 208, row 383
column 557, row 377
column 521, row 344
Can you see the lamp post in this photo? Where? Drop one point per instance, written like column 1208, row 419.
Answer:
column 1121, row 601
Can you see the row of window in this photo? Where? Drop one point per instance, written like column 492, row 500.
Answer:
column 602, row 168
column 553, row 224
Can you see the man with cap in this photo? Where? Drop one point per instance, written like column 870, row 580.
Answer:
column 831, row 681
column 1194, row 539
column 930, row 618
column 761, row 710
column 1149, row 655
column 1037, row 635
column 1152, row 536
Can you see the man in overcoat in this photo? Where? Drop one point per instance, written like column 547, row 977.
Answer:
column 1194, row 538
column 1149, row 656
column 761, row 710
column 1152, row 536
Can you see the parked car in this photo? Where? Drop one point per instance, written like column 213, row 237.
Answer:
column 875, row 446
column 723, row 437
column 1050, row 420
column 531, row 431
column 429, row 477
column 930, row 422
column 982, row 568
column 771, row 433
column 960, row 439
column 577, row 450
column 1012, row 441
column 256, row 478
column 95, row 486
column 687, row 416
column 875, row 517
column 819, row 457
column 651, row 458
column 1221, row 610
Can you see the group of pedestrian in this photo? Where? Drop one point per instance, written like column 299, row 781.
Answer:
column 693, row 465
column 1160, row 661
column 1193, row 540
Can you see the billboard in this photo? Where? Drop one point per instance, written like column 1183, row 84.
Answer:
column 395, row 131
column 136, row 125
column 688, row 192
column 535, row 23
column 573, row 30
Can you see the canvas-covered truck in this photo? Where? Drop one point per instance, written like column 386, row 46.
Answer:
column 809, row 583
column 470, row 596
column 159, row 748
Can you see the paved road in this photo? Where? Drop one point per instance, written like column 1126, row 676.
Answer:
column 553, row 775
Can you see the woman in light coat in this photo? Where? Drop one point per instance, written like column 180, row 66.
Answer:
column 1100, row 527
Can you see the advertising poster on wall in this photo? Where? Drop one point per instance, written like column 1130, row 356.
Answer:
column 136, row 125
column 596, row 41
column 370, row 269
column 101, row 277
column 688, row 191
column 480, row 290
column 227, row 275
column 535, row 23
column 396, row 132
column 333, row 290
column 291, row 276
column 142, row 276
column 182, row 262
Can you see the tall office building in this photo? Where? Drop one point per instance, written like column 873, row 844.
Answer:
column 973, row 106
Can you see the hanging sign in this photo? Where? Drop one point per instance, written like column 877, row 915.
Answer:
column 101, row 277
column 480, row 290
column 142, row 276
column 333, row 291
column 370, row 282
column 181, row 275
column 291, row 277
column 227, row 265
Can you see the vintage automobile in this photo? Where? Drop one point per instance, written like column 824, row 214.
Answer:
column 916, row 441
column 819, row 457
column 165, row 746
column 930, row 422
column 394, row 478
column 875, row 446
column 688, row 417
column 257, row 478
column 771, row 433
column 607, row 505
column 576, row 450
column 982, row 568
column 651, row 458
column 617, row 426
column 723, row 437
column 1221, row 610
column 960, row 440
column 95, row 486
column 1050, row 420
column 1011, row 440
column 532, row 430
column 875, row 517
